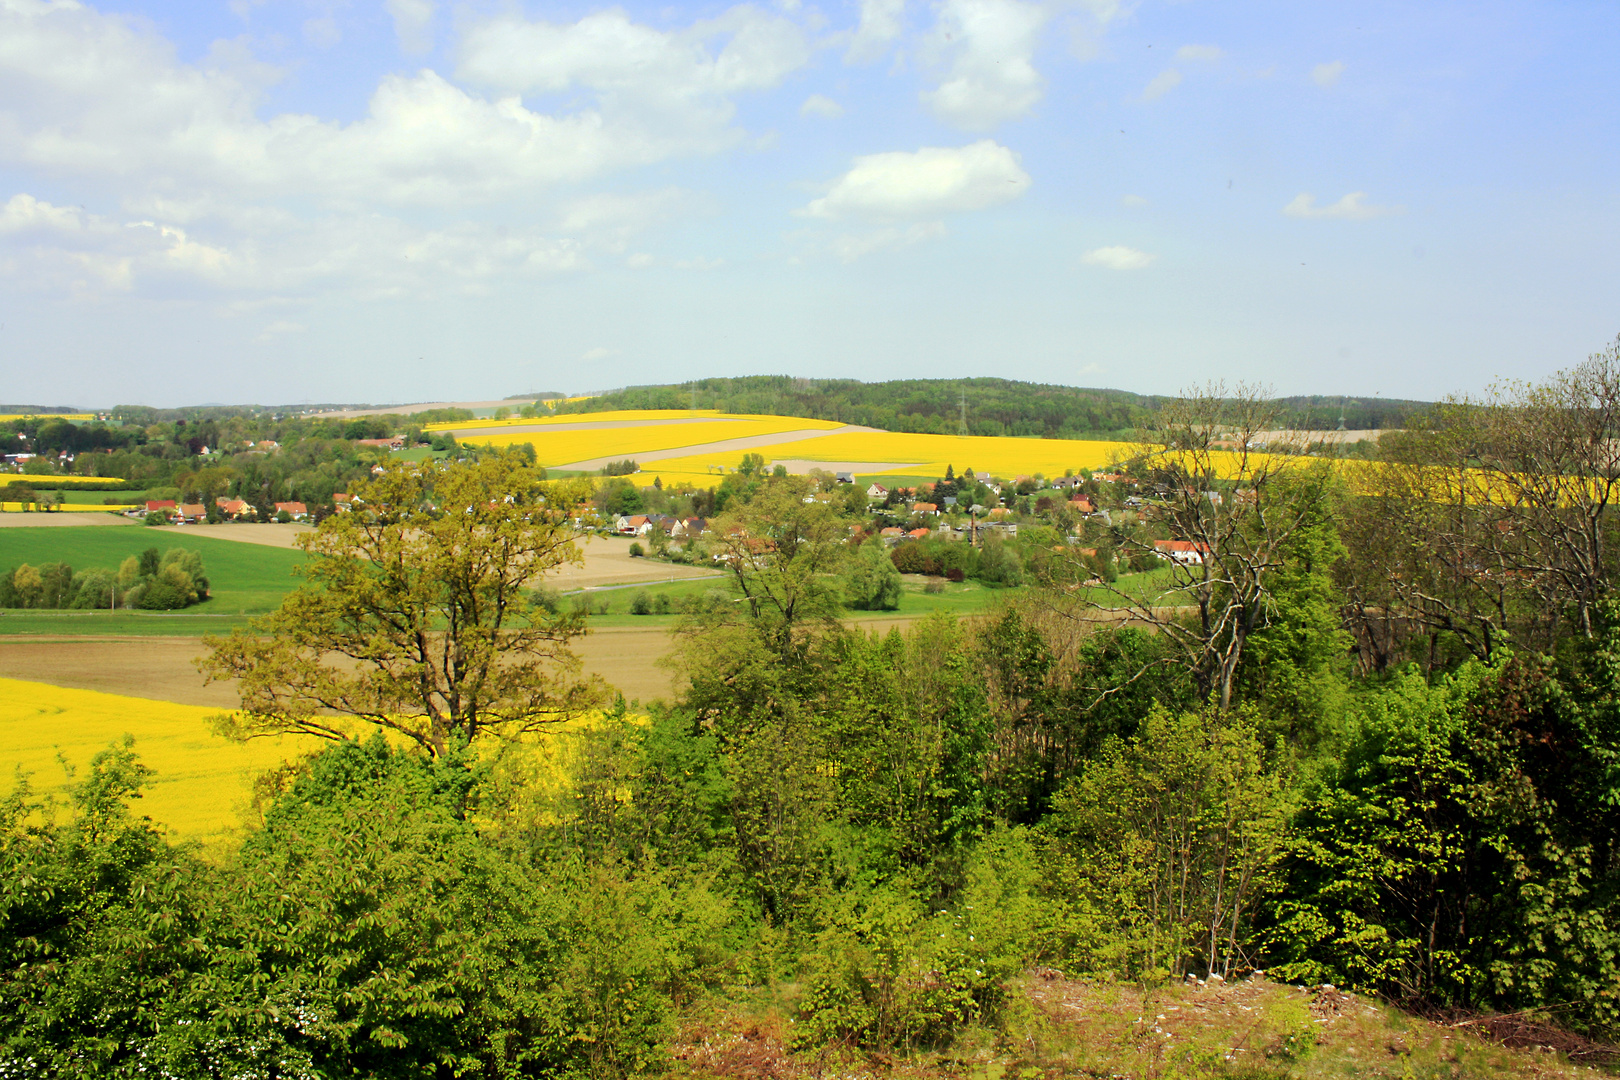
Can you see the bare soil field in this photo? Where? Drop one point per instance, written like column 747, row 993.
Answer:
column 724, row 446
column 269, row 534
column 608, row 562
column 163, row 669
column 607, row 559
column 64, row 517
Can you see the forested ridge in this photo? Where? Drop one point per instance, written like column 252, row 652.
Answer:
column 1368, row 737
column 991, row 406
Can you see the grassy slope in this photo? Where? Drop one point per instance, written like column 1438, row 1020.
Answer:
column 243, row 577
column 1255, row 1029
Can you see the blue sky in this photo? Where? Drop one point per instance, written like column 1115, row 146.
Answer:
column 316, row 200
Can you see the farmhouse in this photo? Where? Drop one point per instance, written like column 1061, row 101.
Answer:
column 924, row 508
column 232, row 507
column 877, row 491
column 632, row 525
column 297, row 510
column 193, row 512
column 1081, row 504
column 891, row 536
column 396, row 443
column 1183, row 552
column 153, row 506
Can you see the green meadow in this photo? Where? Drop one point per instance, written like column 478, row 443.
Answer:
column 244, row 579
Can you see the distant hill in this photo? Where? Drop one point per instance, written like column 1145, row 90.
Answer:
column 992, row 406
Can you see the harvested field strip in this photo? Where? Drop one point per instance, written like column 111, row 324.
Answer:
column 202, row 784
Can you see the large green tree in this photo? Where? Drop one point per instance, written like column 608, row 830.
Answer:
column 418, row 615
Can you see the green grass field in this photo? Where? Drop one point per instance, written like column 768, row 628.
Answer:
column 248, row 578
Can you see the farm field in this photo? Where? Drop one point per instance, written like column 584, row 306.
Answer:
column 589, row 441
column 714, row 443
column 201, row 786
column 242, row 577
column 70, row 515
column 870, row 453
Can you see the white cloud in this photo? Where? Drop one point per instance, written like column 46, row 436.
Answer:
column 824, row 107
column 1117, row 257
column 601, row 352
column 1204, row 53
column 661, row 76
column 881, row 23
column 850, row 247
column 988, row 48
column 68, row 108
column 699, row 263
column 926, row 183
column 1164, row 82
column 1326, row 75
column 273, row 252
column 1132, row 201
column 413, row 24
column 639, row 261
column 1353, row 207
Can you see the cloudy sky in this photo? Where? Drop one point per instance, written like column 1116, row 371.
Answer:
column 402, row 200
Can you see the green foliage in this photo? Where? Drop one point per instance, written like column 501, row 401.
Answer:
column 872, row 583
column 1165, row 844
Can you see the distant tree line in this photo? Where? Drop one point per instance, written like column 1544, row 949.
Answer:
column 993, row 406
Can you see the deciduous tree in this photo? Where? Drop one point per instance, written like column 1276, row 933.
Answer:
column 418, row 615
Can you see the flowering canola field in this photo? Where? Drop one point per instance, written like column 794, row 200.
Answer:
column 923, row 455
column 562, row 440
column 202, row 784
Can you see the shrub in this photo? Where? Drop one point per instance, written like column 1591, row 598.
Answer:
column 641, row 603
column 283, row 516
column 156, row 517
column 935, row 586
column 954, row 574
column 661, row 604
column 637, row 551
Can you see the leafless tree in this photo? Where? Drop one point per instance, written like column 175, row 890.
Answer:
column 1231, row 492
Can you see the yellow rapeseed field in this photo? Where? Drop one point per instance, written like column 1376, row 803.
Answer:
column 926, row 455
column 47, row 416
column 71, row 507
column 568, row 443
column 64, row 481
column 202, row 787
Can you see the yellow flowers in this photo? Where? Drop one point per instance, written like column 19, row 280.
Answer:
column 202, row 787
column 922, row 455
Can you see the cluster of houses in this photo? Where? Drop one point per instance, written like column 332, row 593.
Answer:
column 674, row 528
column 232, row 509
